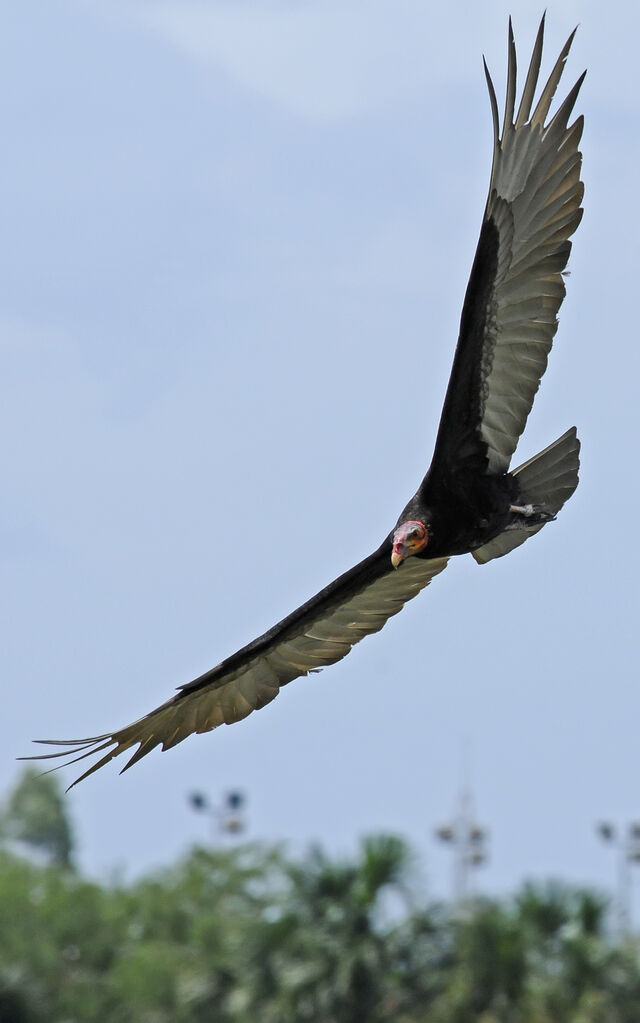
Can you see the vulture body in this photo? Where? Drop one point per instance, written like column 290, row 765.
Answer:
column 469, row 501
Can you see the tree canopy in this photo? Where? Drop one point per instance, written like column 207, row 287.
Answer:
column 250, row 933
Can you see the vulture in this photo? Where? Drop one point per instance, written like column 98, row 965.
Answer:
column 470, row 500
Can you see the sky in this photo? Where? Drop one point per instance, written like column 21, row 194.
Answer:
column 236, row 238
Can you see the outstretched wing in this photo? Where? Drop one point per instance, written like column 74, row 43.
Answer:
column 320, row 632
column 509, row 318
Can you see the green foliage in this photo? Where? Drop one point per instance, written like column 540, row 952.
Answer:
column 245, row 935
column 327, row 951
column 36, row 814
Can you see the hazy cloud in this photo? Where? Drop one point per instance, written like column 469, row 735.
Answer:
column 326, row 61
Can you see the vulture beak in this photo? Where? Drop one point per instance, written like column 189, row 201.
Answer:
column 397, row 555
column 409, row 538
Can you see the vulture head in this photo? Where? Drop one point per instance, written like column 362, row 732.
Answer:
column 409, row 538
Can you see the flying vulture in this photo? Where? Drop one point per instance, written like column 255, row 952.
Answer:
column 469, row 501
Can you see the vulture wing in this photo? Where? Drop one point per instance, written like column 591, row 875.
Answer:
column 320, row 632
column 509, row 317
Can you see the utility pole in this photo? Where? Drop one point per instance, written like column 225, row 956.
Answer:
column 626, row 843
column 468, row 843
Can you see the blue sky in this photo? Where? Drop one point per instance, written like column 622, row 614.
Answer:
column 236, row 239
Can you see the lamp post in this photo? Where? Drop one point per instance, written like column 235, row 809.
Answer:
column 228, row 817
column 468, row 842
column 626, row 843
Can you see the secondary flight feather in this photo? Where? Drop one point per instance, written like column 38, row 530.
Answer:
column 469, row 501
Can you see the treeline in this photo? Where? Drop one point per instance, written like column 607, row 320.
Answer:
column 250, row 935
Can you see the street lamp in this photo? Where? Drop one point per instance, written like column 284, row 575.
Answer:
column 627, row 846
column 468, row 842
column 226, row 818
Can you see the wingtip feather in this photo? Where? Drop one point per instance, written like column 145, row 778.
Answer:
column 533, row 73
column 512, row 75
column 495, row 116
column 539, row 115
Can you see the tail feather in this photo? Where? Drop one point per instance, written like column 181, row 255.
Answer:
column 547, row 480
column 551, row 476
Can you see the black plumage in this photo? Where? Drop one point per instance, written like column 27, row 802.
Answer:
column 469, row 501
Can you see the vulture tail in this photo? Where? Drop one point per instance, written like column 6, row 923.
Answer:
column 548, row 479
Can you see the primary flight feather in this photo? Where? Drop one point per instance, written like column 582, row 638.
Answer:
column 469, row 501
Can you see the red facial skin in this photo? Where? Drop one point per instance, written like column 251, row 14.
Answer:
column 409, row 538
